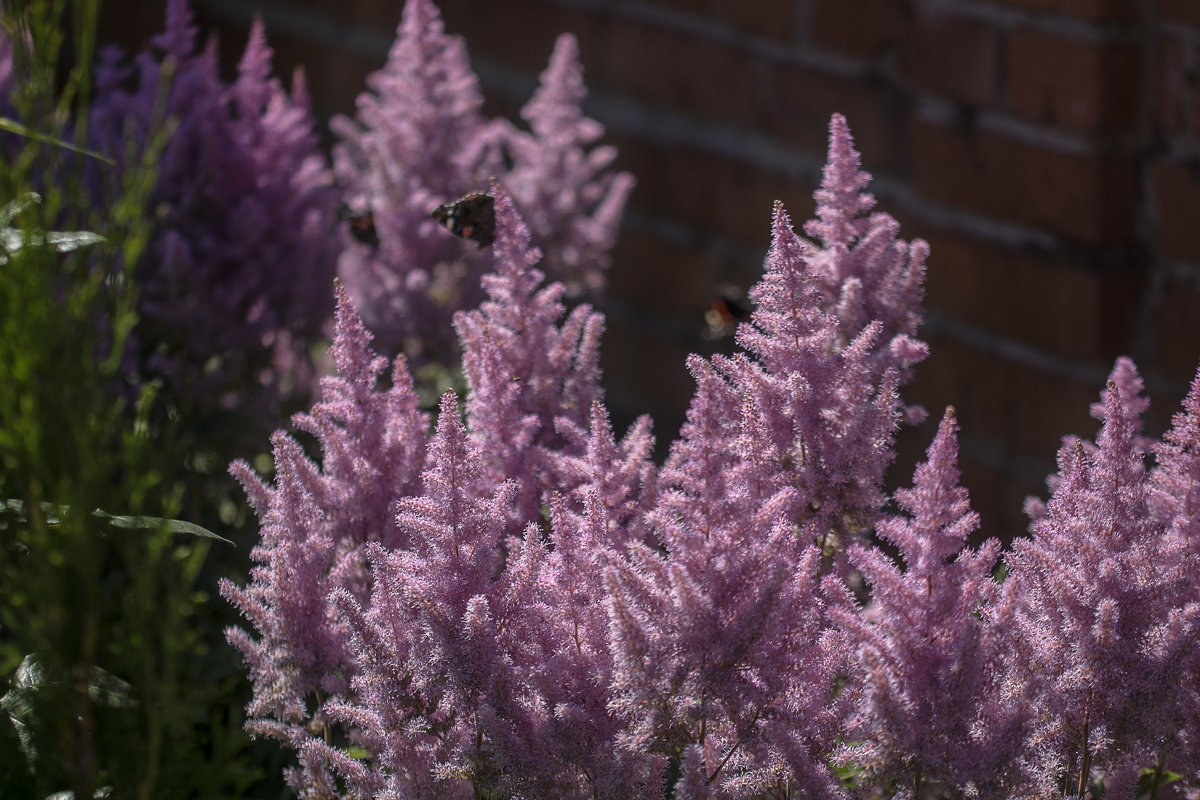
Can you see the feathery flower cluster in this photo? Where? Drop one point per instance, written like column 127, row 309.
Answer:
column 419, row 140
column 920, row 678
column 1103, row 601
column 522, row 605
column 235, row 284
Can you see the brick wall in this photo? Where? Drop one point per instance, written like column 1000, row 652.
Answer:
column 1047, row 149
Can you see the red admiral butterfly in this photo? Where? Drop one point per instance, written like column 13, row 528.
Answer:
column 362, row 226
column 728, row 309
column 472, row 216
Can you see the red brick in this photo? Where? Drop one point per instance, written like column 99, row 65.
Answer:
column 706, row 9
column 1048, row 304
column 998, row 494
column 1176, row 197
column 334, row 78
column 802, row 100
column 1191, row 90
column 1177, row 330
column 1185, row 11
column 1082, row 86
column 769, row 19
column 1092, row 10
column 645, row 373
column 520, row 34
column 712, row 194
column 671, row 282
column 951, row 57
column 1174, row 90
column 132, row 28
column 679, row 70
column 1013, row 409
column 863, row 29
column 1090, row 198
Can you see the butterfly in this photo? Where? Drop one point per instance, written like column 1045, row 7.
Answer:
column 728, row 308
column 472, row 216
column 362, row 226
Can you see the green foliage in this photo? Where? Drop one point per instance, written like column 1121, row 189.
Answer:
column 110, row 662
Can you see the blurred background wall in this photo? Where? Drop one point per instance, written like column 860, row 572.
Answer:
column 1048, row 150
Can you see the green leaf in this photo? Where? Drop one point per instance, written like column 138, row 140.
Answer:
column 10, row 210
column 13, row 239
column 50, row 512
column 172, row 525
column 1152, row 779
column 12, row 126
column 53, row 515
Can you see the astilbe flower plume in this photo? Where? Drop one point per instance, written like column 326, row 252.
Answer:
column 436, row 608
column 316, row 522
column 1102, row 610
column 862, row 271
column 1175, row 482
column 440, row 637
column 812, row 403
column 919, row 674
column 814, row 413
column 722, row 662
column 532, row 381
column 570, row 200
column 235, row 283
column 419, row 139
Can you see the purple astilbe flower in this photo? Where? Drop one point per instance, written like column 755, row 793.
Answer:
column 919, row 673
column 620, row 474
column 569, row 198
column 814, row 415
column 578, row 730
column 531, row 379
column 7, row 80
column 863, row 271
column 419, row 140
column 813, row 402
column 235, row 283
column 718, row 646
column 1176, row 478
column 1176, row 481
column 445, row 645
column 461, row 656
column 315, row 524
column 1104, row 624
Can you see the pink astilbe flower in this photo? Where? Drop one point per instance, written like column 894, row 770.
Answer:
column 531, row 379
column 718, row 645
column 441, row 643
column 580, row 728
column 1176, row 481
column 813, row 402
column 1101, row 608
column 1176, row 478
column 815, row 415
column 620, row 474
column 919, row 673
column 569, row 198
column 864, row 272
column 316, row 522
column 449, row 643
column 419, row 140
column 235, row 283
